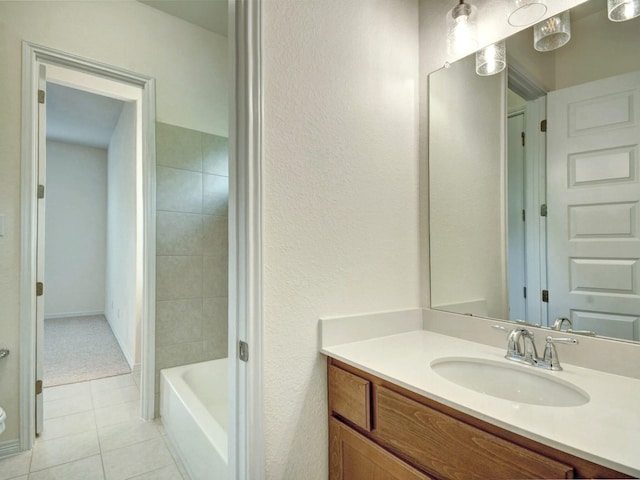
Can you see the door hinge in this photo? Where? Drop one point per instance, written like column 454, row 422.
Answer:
column 39, row 289
column 38, row 387
column 522, row 136
column 543, row 210
column 243, row 351
column 40, row 191
column 524, row 216
column 545, row 296
column 40, row 96
column 524, row 292
column 543, row 126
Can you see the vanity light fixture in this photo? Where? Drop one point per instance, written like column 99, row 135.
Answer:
column 527, row 12
column 461, row 29
column 491, row 60
column 552, row 33
column 621, row 10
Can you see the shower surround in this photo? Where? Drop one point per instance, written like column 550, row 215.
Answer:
column 192, row 247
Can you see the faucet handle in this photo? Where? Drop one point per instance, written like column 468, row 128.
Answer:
column 567, row 340
column 550, row 357
column 501, row 328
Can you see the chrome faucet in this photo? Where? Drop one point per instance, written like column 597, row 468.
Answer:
column 560, row 321
column 520, row 346
column 522, row 349
column 557, row 325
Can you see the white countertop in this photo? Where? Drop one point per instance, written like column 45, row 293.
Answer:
column 606, row 430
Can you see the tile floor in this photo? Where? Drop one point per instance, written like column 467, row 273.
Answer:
column 92, row 431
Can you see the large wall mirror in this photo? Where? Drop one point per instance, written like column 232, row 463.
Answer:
column 532, row 225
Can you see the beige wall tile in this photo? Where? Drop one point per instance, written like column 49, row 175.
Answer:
column 179, row 354
column 178, row 277
column 215, row 276
column 179, row 234
column 178, row 190
column 178, row 147
column 215, row 200
column 178, row 321
column 215, row 327
column 215, row 235
column 215, row 154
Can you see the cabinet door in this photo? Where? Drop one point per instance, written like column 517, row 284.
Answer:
column 354, row 457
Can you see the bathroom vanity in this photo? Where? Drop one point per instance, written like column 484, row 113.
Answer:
column 377, row 428
column 391, row 415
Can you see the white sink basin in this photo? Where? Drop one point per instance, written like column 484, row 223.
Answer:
column 510, row 382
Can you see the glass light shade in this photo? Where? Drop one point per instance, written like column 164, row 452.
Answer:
column 491, row 60
column 552, row 33
column 527, row 12
column 462, row 37
column 621, row 10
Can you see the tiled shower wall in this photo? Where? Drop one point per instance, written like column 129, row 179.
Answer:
column 192, row 246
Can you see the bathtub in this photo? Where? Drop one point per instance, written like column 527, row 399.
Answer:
column 193, row 407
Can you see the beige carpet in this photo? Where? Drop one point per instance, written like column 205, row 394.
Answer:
column 77, row 349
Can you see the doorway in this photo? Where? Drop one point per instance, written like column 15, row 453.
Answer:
column 133, row 297
column 89, row 326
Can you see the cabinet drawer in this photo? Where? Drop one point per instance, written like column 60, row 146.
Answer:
column 354, row 457
column 453, row 449
column 350, row 397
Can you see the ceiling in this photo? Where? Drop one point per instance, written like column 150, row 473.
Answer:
column 209, row 14
column 83, row 118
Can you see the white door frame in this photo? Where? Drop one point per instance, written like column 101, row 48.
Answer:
column 246, row 446
column 32, row 56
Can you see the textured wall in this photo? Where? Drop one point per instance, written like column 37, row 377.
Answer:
column 192, row 246
column 340, row 197
column 75, row 230
column 122, row 306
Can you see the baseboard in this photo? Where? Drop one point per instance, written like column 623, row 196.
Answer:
column 72, row 314
column 9, row 448
column 125, row 351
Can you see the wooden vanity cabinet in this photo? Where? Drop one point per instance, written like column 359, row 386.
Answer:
column 378, row 431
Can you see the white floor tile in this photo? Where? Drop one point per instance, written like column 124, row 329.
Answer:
column 128, row 433
column 118, row 414
column 93, row 431
column 144, row 457
column 137, row 378
column 67, row 406
column 49, row 453
column 116, row 396
column 167, row 473
column 176, row 458
column 109, row 383
column 15, row 465
column 68, row 425
column 86, row 469
column 66, row 391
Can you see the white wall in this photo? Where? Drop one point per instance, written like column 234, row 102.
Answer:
column 75, row 231
column 121, row 302
column 340, row 195
column 604, row 49
column 190, row 67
